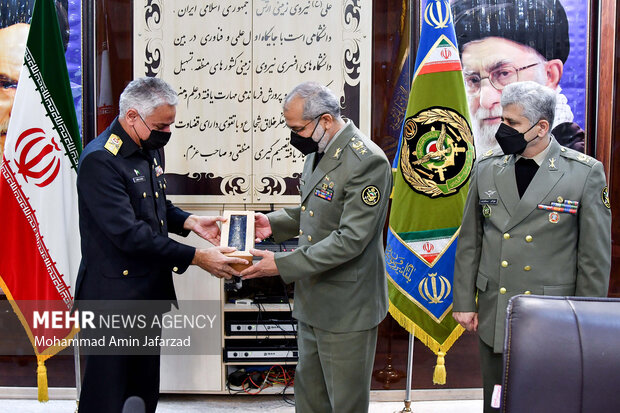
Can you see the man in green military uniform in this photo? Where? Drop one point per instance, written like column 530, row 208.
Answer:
column 338, row 268
column 536, row 221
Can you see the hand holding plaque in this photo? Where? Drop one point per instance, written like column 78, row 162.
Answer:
column 238, row 232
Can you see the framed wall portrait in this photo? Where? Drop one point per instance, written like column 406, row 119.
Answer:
column 546, row 41
column 15, row 18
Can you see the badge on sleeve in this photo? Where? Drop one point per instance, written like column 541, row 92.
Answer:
column 113, row 144
column 371, row 195
column 605, row 197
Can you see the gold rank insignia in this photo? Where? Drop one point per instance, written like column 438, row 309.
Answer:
column 113, row 144
column 583, row 158
column 605, row 197
column 359, row 147
column 371, row 195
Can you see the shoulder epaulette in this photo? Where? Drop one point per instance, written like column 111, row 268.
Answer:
column 359, row 147
column 490, row 154
column 113, row 144
column 577, row 156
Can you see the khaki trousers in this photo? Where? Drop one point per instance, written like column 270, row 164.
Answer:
column 334, row 370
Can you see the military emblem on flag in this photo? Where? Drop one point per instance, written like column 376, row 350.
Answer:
column 431, row 176
column 40, row 241
column 434, row 157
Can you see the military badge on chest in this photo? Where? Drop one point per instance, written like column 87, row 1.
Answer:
column 436, row 155
column 325, row 190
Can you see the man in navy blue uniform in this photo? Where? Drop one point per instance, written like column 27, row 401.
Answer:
column 124, row 224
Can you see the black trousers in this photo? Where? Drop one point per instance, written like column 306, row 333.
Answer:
column 110, row 380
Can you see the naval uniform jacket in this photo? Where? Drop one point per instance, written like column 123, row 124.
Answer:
column 124, row 223
column 339, row 267
column 509, row 246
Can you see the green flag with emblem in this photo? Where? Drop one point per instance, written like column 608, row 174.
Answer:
column 431, row 175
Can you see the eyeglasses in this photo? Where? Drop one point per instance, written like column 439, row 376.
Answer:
column 297, row 130
column 499, row 78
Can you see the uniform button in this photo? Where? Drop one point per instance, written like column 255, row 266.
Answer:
column 143, row 194
column 504, row 264
column 506, row 236
column 303, row 208
column 175, row 269
column 502, row 290
column 161, row 222
column 301, row 232
column 125, row 272
column 164, row 186
column 527, row 268
column 156, row 194
column 310, row 238
column 527, row 293
column 311, row 213
column 152, row 166
column 529, row 238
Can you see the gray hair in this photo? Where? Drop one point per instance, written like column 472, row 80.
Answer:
column 317, row 100
column 145, row 94
column 537, row 101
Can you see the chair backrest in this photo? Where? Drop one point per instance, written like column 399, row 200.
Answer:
column 562, row 354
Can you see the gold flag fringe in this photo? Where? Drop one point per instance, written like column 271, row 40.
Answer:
column 42, row 385
column 440, row 349
column 43, row 394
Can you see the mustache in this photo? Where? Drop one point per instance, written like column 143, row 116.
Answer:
column 482, row 113
column 4, row 126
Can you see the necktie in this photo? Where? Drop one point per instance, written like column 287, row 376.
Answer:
column 525, row 169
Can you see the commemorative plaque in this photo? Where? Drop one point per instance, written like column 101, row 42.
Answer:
column 238, row 232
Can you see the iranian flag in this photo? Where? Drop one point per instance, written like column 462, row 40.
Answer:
column 40, row 238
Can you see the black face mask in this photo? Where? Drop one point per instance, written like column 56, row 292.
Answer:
column 157, row 139
column 511, row 140
column 306, row 145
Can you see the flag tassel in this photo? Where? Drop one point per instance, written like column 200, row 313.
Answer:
column 42, row 380
column 439, row 375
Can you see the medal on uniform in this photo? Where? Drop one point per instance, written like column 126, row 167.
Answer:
column 486, row 211
column 554, row 217
column 325, row 193
column 565, row 206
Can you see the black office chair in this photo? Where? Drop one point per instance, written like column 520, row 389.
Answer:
column 562, row 354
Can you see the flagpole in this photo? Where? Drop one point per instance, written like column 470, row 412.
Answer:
column 413, row 41
column 78, row 372
column 409, row 376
